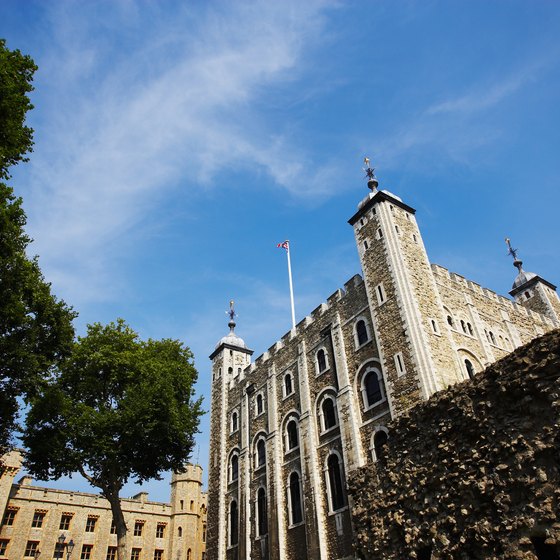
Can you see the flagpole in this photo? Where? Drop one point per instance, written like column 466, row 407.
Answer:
column 291, row 288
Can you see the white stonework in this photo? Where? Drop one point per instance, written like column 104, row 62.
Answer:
column 426, row 329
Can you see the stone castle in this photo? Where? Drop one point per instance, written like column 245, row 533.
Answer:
column 289, row 428
column 35, row 517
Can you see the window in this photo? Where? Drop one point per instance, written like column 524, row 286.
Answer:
column 233, row 523
column 113, row 528
column 234, row 422
column 3, row 546
column 450, row 320
column 434, row 326
column 365, row 245
column 158, row 554
column 111, row 553
column 260, row 404
column 192, row 505
column 463, row 326
column 470, row 369
column 180, row 532
column 470, row 329
column 372, row 390
column 261, row 454
column 182, row 504
column 138, row 526
column 380, row 294
column 379, row 233
column 362, row 335
column 86, row 552
column 9, row 516
column 65, row 520
column 90, row 524
column 335, row 482
column 292, row 440
column 234, row 467
column 135, row 554
column 321, row 361
column 160, row 530
column 204, row 533
column 328, row 410
column 379, row 442
column 189, row 554
column 288, row 389
column 262, row 521
column 295, row 499
column 59, row 550
column 399, row 364
column 31, row 548
column 492, row 339
column 38, row 518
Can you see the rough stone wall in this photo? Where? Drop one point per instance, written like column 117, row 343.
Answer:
column 474, row 472
column 26, row 499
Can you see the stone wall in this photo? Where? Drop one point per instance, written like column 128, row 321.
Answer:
column 473, row 472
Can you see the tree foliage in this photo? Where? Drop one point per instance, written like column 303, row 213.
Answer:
column 120, row 408
column 16, row 139
column 35, row 329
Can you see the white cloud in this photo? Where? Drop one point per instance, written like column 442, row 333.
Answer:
column 121, row 123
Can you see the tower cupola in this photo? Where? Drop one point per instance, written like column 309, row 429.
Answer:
column 231, row 340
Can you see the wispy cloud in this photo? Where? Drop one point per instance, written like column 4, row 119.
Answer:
column 179, row 102
column 455, row 128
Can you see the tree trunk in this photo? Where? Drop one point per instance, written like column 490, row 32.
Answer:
column 112, row 495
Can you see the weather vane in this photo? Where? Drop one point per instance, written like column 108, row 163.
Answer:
column 370, row 174
column 231, row 311
column 511, row 250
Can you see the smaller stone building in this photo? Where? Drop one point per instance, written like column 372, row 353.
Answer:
column 474, row 472
column 34, row 517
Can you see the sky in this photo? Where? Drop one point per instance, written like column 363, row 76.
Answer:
column 176, row 143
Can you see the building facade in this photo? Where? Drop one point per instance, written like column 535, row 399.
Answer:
column 34, row 517
column 288, row 428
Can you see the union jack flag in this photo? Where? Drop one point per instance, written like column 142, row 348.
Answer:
column 284, row 245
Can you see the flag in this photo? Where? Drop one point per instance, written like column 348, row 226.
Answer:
column 284, row 245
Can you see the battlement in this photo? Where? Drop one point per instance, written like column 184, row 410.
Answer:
column 301, row 328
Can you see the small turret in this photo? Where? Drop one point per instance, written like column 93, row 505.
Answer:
column 532, row 291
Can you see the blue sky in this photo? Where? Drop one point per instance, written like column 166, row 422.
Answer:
column 178, row 142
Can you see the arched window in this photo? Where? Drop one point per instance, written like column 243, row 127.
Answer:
column 450, row 320
column 292, row 440
column 335, row 482
column 288, row 389
column 234, row 467
column 260, row 404
column 180, row 532
column 261, row 453
column 295, row 499
column 233, row 523
column 470, row 368
column 321, row 361
column 492, row 339
column 469, row 327
column 463, row 326
column 262, row 521
column 361, row 332
column 329, row 413
column 234, row 422
column 372, row 388
column 189, row 554
column 379, row 442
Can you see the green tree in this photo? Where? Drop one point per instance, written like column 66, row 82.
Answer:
column 35, row 329
column 120, row 408
column 16, row 75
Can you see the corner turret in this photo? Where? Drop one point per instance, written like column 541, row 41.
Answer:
column 532, row 291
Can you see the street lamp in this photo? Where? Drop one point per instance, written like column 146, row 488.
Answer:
column 69, row 546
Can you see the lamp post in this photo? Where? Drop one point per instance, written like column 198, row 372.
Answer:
column 69, row 546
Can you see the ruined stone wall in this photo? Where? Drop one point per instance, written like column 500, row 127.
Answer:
column 473, row 473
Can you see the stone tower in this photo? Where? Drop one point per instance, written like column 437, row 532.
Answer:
column 533, row 292
column 187, row 504
column 407, row 311
column 230, row 357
